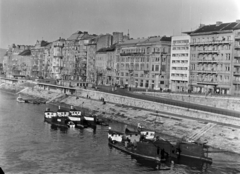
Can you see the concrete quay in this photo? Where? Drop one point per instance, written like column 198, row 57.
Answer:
column 226, row 102
column 168, row 121
column 172, row 125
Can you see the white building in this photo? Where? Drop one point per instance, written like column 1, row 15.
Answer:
column 179, row 64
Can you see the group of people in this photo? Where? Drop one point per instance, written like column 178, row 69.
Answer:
column 127, row 142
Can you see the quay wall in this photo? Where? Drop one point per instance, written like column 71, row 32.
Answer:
column 227, row 102
column 222, row 137
column 118, row 99
column 159, row 107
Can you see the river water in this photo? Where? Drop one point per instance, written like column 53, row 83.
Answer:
column 29, row 145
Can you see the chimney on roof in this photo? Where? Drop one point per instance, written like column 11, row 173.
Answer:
column 201, row 25
column 238, row 21
column 218, row 23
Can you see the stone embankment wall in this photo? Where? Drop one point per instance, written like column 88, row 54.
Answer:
column 160, row 107
column 226, row 102
column 34, row 91
column 12, row 87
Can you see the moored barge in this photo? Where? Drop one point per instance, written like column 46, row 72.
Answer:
column 145, row 144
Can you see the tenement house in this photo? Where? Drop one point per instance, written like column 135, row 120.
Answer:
column 18, row 61
column 75, row 57
column 38, row 54
column 57, row 58
column 179, row 64
column 105, row 60
column 236, row 63
column 214, row 63
column 106, row 57
column 144, row 63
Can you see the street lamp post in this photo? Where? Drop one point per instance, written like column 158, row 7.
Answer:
column 82, row 105
column 130, row 78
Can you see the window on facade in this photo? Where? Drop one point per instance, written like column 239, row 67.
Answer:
column 146, row 84
column 152, row 67
column 141, row 83
column 157, row 68
column 163, row 68
column 162, row 82
column 228, row 56
column 227, row 68
column 147, row 66
column 164, row 50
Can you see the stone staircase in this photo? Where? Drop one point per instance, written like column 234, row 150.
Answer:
column 22, row 90
column 197, row 134
column 54, row 98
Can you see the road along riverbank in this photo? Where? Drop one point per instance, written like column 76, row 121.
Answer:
column 170, row 124
column 227, row 102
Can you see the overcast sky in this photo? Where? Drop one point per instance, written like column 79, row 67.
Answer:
column 25, row 21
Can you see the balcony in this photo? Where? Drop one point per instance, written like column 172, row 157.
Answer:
column 237, row 47
column 237, row 37
column 236, row 81
column 179, row 78
column 212, row 61
column 204, row 71
column 207, row 82
column 236, row 63
column 236, row 73
column 211, row 42
column 132, row 54
column 204, row 60
column 208, row 51
column 237, row 55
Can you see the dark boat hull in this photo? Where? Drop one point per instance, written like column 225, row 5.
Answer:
column 59, row 121
column 131, row 152
column 193, row 150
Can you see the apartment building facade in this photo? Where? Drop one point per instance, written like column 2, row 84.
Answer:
column 144, row 63
column 236, row 63
column 105, row 65
column 179, row 63
column 18, row 60
column 213, row 59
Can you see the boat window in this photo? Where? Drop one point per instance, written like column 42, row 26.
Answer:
column 158, row 150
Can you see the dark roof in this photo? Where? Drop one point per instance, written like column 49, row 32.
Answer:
column 111, row 48
column 43, row 43
column 216, row 28
column 79, row 35
column 165, row 38
column 25, row 53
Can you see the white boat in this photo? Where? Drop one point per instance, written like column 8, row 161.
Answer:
column 20, row 100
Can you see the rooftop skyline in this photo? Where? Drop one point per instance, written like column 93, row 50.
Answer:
column 25, row 21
